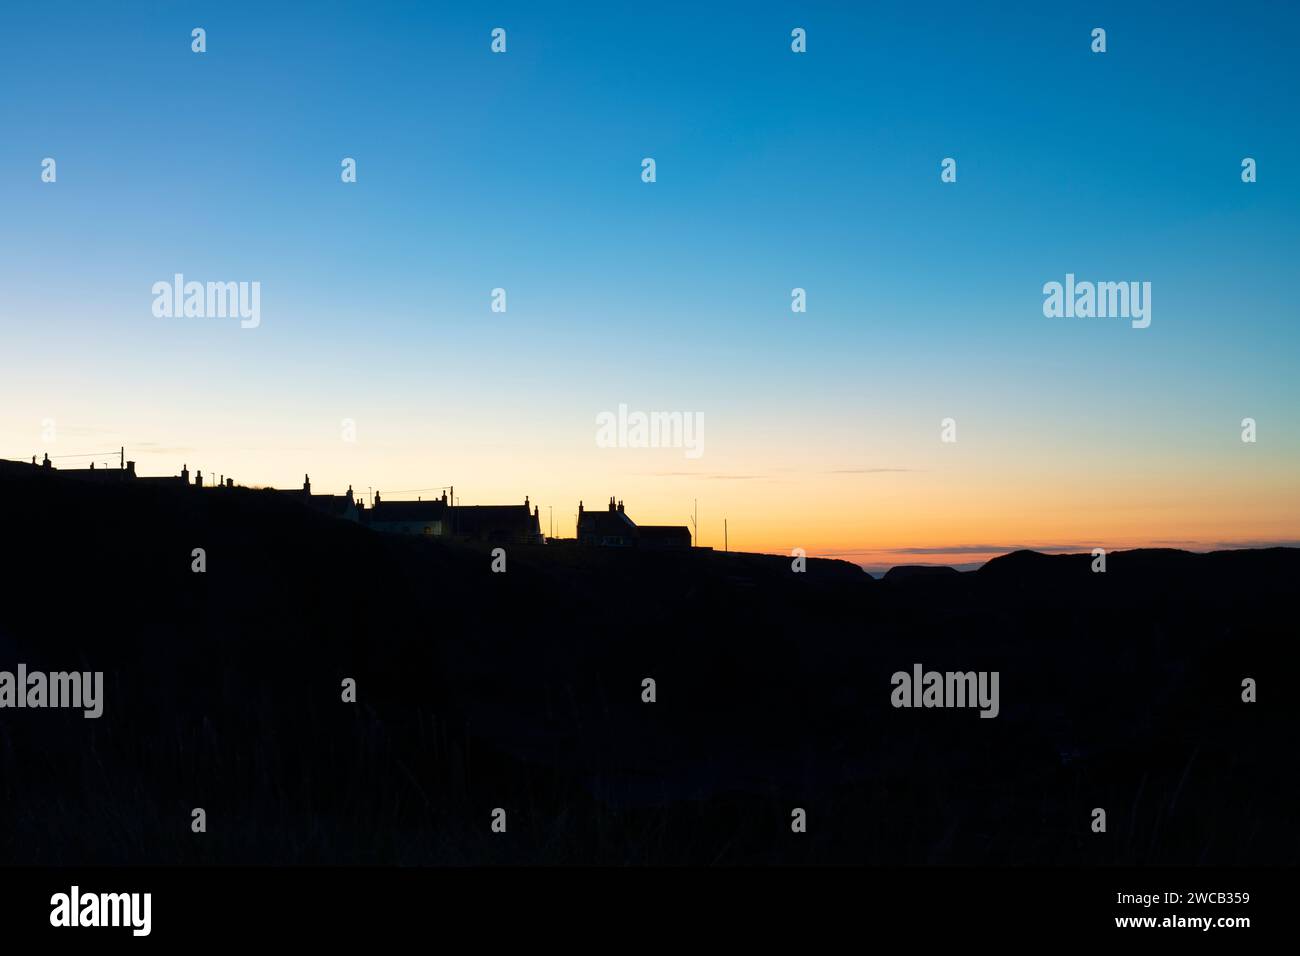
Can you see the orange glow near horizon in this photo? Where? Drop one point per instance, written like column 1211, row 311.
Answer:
column 952, row 505
column 878, row 490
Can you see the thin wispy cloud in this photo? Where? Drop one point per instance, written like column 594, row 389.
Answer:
column 1233, row 545
column 692, row 474
column 986, row 548
column 153, row 448
column 871, row 471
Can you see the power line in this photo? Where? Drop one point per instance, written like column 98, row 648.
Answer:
column 89, row 454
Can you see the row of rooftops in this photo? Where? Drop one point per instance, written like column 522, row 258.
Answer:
column 434, row 516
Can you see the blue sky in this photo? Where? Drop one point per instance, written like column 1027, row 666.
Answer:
column 775, row 170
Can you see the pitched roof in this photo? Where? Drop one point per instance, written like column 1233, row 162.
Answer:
column 435, row 510
column 330, row 504
column 479, row 519
column 606, row 524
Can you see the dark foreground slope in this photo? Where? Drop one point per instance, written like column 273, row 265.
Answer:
column 523, row 691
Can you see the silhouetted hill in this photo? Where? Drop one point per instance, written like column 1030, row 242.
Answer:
column 523, row 690
column 1145, row 577
column 907, row 573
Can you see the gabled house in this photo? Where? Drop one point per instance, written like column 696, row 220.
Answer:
column 614, row 529
column 490, row 524
column 336, row 506
column 408, row 517
column 606, row 529
column 497, row 524
column 102, row 475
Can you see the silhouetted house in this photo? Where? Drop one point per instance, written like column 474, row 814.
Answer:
column 180, row 480
column 614, row 529
column 407, row 517
column 492, row 524
column 336, row 506
column 124, row 473
column 102, row 475
column 606, row 529
column 23, row 468
column 497, row 524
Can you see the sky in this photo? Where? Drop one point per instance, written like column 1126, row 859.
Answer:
column 775, row 170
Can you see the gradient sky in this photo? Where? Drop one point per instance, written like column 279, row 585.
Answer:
column 775, row 170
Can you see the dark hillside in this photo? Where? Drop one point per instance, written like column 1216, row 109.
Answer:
column 523, row 690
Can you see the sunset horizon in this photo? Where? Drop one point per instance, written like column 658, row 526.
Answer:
column 720, row 527
column 496, row 466
column 477, row 289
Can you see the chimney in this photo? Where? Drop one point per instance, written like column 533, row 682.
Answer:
column 130, row 468
column 620, row 507
column 46, row 463
column 198, row 479
column 611, row 502
column 185, row 474
column 376, row 504
column 230, row 482
column 350, row 494
column 579, row 507
column 525, row 502
column 306, row 484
